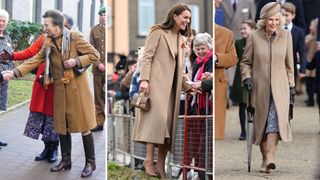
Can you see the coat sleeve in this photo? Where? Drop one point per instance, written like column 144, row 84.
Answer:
column 150, row 49
column 87, row 54
column 302, row 50
column 289, row 60
column 185, row 86
column 30, row 51
column 247, row 59
column 92, row 42
column 229, row 57
column 28, row 66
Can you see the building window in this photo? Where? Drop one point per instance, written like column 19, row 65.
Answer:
column 2, row 4
column 109, row 17
column 36, row 11
column 146, row 16
column 58, row 5
column 195, row 24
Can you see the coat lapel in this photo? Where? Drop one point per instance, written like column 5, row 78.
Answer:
column 167, row 38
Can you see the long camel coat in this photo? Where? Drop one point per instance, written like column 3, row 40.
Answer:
column 165, row 74
column 73, row 103
column 227, row 57
column 270, row 65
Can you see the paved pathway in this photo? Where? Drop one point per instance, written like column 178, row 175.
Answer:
column 298, row 160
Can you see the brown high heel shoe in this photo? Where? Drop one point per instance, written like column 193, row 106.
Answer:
column 148, row 166
column 160, row 175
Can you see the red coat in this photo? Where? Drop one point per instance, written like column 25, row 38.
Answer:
column 41, row 99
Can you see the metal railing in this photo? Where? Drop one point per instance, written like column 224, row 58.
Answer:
column 191, row 131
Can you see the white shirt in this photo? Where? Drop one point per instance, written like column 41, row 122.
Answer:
column 289, row 26
column 282, row 1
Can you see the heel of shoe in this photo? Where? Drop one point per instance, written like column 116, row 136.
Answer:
column 61, row 166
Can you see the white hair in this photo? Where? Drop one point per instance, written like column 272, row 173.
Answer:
column 202, row 39
column 4, row 14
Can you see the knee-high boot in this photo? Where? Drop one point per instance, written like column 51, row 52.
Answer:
column 88, row 145
column 65, row 163
column 272, row 142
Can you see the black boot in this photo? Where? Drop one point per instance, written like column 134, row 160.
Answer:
column 97, row 128
column 3, row 143
column 45, row 153
column 53, row 153
column 88, row 145
column 65, row 163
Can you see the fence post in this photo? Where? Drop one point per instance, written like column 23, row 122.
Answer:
column 207, row 138
column 133, row 163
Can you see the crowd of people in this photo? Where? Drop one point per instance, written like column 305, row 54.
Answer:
column 61, row 87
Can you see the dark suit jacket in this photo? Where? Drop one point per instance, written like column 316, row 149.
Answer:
column 299, row 20
column 298, row 47
column 315, row 64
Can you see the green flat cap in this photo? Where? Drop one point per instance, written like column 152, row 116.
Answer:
column 102, row 10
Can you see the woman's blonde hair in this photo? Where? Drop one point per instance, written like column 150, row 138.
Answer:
column 262, row 22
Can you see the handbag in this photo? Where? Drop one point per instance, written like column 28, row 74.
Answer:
column 141, row 101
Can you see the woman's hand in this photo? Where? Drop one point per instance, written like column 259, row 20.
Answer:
column 144, row 87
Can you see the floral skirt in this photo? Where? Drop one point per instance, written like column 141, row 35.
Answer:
column 39, row 123
column 272, row 119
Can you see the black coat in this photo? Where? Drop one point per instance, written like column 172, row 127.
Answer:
column 298, row 47
column 299, row 20
column 315, row 64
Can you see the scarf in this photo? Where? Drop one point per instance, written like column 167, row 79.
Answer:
column 202, row 97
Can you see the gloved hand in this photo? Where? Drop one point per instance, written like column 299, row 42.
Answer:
column 248, row 84
column 5, row 55
column 292, row 92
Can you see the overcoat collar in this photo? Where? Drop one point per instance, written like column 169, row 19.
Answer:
column 167, row 38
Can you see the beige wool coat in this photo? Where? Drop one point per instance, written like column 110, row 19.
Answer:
column 227, row 57
column 73, row 103
column 165, row 74
column 270, row 65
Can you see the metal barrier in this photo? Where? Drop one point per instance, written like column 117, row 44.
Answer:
column 192, row 150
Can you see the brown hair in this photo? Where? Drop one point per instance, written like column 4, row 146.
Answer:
column 169, row 22
column 289, row 7
column 250, row 23
column 56, row 16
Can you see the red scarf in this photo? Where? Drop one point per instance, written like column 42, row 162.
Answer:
column 202, row 97
column 202, row 62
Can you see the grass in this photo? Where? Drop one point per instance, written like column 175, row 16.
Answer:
column 118, row 172
column 19, row 91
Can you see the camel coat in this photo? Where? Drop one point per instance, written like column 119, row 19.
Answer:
column 165, row 74
column 73, row 103
column 270, row 65
column 227, row 57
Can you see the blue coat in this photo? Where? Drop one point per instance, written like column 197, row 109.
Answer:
column 298, row 47
column 315, row 64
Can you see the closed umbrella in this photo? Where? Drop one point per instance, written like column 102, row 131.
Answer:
column 250, row 114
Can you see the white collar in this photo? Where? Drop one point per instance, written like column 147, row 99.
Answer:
column 289, row 26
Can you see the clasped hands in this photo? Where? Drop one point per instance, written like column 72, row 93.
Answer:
column 7, row 75
column 196, row 86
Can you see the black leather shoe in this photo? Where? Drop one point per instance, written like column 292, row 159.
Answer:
column 45, row 153
column 5, row 144
column 88, row 170
column 97, row 128
column 63, row 165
